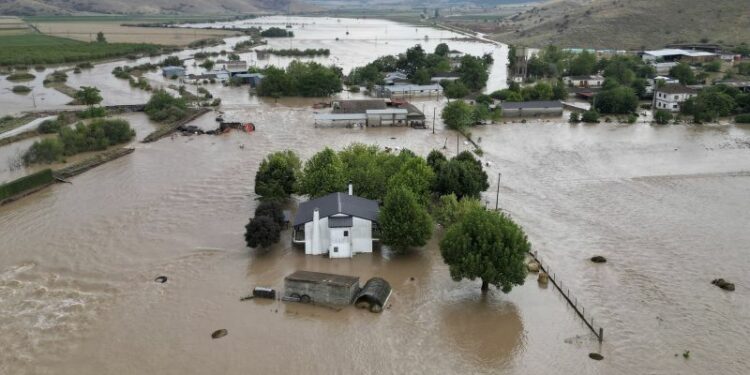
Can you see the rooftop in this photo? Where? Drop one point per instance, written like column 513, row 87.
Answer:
column 357, row 106
column 323, row 278
column 676, row 89
column 678, row 52
column 410, row 88
column 337, row 203
column 532, row 104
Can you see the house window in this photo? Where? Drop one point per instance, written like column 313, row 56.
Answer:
column 674, row 105
column 346, row 233
column 335, row 249
column 676, row 97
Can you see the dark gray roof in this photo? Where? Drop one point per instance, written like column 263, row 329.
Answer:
column 323, row 278
column 337, row 203
column 340, row 222
column 376, row 290
column 358, row 106
column 674, row 88
column 532, row 104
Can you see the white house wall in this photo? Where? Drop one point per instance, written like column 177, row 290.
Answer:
column 325, row 237
column 361, row 236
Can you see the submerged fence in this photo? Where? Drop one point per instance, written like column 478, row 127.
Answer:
column 573, row 301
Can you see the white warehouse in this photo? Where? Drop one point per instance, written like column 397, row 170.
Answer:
column 337, row 224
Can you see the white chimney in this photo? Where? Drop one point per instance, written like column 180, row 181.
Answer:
column 351, row 189
column 316, row 232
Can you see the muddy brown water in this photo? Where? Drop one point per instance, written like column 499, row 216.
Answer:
column 667, row 206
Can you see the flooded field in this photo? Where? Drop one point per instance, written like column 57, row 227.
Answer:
column 666, row 205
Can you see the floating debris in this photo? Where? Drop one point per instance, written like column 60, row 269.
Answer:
column 723, row 284
column 161, row 279
column 219, row 334
column 596, row 356
column 599, row 259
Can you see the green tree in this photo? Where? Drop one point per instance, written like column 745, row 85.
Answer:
column 436, row 160
column 368, row 169
column 100, row 37
column 617, row 100
column 488, row 246
column 163, row 107
column 583, row 64
column 421, row 77
column 275, row 83
column 442, row 49
column 457, row 115
column 590, row 116
column 662, row 117
column 463, row 176
column 271, row 209
column 473, row 72
column 208, row 64
column 454, row 89
column 684, row 73
column 403, row 222
column 323, row 174
column 88, row 95
column 171, row 61
column 450, row 210
column 277, row 175
column 574, row 118
column 710, row 104
column 48, row 150
column 262, row 231
column 712, row 66
column 559, row 91
column 417, row 176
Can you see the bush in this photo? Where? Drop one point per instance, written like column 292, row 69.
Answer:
column 21, row 89
column 662, row 117
column 92, row 112
column 632, row 118
column 276, row 32
column 163, row 107
column 21, row 77
column 45, row 151
column 455, row 89
column 49, row 127
column 590, row 116
column 574, row 118
column 271, row 209
column 171, row 61
column 26, row 183
column 742, row 119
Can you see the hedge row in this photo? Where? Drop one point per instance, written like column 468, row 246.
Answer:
column 26, row 183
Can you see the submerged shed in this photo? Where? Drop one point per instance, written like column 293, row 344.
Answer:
column 374, row 295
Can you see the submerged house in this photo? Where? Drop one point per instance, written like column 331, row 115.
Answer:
column 532, row 108
column 173, row 71
column 338, row 224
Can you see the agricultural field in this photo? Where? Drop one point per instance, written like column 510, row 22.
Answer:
column 86, row 28
column 28, row 49
column 13, row 26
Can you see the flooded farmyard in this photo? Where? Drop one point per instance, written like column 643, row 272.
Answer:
column 667, row 206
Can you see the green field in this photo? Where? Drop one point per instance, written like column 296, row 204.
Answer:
column 133, row 18
column 31, row 49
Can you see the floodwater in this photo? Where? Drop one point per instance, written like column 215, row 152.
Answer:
column 666, row 205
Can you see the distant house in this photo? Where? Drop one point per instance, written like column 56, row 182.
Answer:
column 233, row 67
column 408, row 90
column 653, row 82
column 394, row 78
column 357, row 106
column 439, row 77
column 338, row 224
column 533, row 108
column 584, row 81
column 678, row 55
column 253, row 79
column 372, row 112
column 670, row 96
column 173, row 71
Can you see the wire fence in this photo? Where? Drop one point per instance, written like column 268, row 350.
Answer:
column 572, row 300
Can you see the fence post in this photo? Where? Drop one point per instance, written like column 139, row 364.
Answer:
column 601, row 334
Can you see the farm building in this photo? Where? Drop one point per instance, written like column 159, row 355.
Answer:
column 408, row 90
column 669, row 97
column 325, row 288
column 533, row 108
column 173, row 71
column 678, row 55
column 337, row 224
column 233, row 67
column 439, row 77
column 394, row 78
column 371, row 112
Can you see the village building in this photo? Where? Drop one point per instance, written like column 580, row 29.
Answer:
column 532, row 108
column 233, row 67
column 408, row 90
column 173, row 71
column 372, row 112
column 253, row 79
column 338, row 224
column 595, row 81
column 678, row 55
column 670, row 96
column 440, row 77
column 395, row 78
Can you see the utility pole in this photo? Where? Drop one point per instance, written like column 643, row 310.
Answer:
column 497, row 197
column 434, row 113
column 457, row 135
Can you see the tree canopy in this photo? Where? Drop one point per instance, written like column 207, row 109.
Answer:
column 308, row 79
column 323, row 174
column 277, row 175
column 488, row 246
column 88, row 95
column 616, row 100
column 457, row 115
column 262, row 231
column 463, row 176
column 403, row 221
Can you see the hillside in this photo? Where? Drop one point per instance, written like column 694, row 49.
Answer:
column 627, row 24
column 66, row 7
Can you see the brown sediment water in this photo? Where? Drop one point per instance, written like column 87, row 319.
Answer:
column 666, row 205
